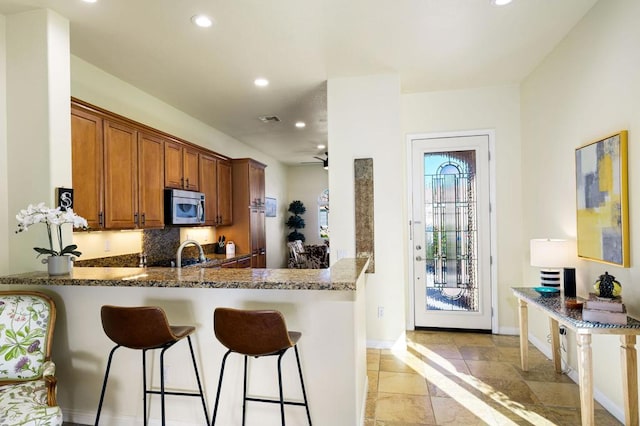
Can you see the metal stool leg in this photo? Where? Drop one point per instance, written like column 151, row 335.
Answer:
column 162, row 393
column 104, row 384
column 195, row 369
column 244, row 391
column 144, row 386
column 215, row 407
column 304, row 392
column 280, row 386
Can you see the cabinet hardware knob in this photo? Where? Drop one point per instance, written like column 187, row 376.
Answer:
column 101, row 218
column 135, row 218
column 143, row 219
column 419, row 258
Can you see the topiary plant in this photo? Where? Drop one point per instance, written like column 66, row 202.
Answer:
column 295, row 222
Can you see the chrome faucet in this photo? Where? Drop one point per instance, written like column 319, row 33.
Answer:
column 183, row 245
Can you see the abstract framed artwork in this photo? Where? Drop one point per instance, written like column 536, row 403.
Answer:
column 602, row 200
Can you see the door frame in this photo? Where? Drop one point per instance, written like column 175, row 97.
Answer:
column 493, row 269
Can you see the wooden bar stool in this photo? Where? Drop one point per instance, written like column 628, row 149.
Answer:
column 256, row 334
column 146, row 328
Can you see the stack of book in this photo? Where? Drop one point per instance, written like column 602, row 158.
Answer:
column 603, row 310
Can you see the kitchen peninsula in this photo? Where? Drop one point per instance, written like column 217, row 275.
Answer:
column 327, row 306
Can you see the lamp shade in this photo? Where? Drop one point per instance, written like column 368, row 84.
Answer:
column 550, row 253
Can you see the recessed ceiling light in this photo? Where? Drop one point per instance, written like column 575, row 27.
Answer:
column 90, row 1
column 261, row 82
column 500, row 2
column 300, row 124
column 202, row 21
column 321, row 146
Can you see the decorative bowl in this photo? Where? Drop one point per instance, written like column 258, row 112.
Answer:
column 547, row 291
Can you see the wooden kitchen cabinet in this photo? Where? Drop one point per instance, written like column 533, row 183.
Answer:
column 225, row 192
column 181, row 166
column 117, row 173
column 248, row 228
column 86, row 166
column 134, row 177
column 215, row 183
column 120, row 176
column 120, row 169
column 150, row 181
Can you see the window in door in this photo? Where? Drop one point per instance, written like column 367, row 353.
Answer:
column 451, row 231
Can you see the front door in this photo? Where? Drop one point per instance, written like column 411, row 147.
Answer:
column 451, row 232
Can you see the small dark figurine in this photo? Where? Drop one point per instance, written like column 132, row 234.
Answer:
column 607, row 286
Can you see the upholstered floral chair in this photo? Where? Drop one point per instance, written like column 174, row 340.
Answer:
column 27, row 381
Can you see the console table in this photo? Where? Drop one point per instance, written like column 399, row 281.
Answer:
column 554, row 308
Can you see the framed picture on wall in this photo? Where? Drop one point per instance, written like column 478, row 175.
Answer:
column 270, row 207
column 602, row 200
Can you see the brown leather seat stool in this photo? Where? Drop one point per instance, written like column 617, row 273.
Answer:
column 146, row 328
column 256, row 334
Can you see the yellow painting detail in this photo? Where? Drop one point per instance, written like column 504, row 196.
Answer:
column 602, row 200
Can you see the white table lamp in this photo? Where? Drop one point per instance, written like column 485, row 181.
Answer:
column 551, row 255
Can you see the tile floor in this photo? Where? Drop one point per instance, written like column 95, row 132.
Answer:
column 447, row 378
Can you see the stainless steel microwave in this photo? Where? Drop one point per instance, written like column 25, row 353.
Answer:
column 183, row 207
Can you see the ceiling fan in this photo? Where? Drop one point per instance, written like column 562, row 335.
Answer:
column 325, row 161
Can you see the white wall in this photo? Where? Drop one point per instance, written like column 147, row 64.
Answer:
column 38, row 155
column 364, row 122
column 97, row 87
column 586, row 89
column 495, row 108
column 4, row 188
column 306, row 183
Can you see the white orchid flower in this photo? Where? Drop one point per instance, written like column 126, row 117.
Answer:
column 52, row 217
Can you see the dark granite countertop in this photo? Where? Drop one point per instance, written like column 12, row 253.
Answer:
column 341, row 277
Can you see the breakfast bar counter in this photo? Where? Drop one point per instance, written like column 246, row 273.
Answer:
column 326, row 305
column 342, row 277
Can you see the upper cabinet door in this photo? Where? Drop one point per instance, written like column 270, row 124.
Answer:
column 181, row 166
column 225, row 191
column 121, row 180
column 150, row 181
column 173, row 165
column 86, row 152
column 256, row 184
column 191, row 168
column 209, row 186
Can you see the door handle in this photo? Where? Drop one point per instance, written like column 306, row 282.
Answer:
column 419, row 258
column 418, row 247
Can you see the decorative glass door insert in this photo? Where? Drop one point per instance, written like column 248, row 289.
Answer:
column 450, row 230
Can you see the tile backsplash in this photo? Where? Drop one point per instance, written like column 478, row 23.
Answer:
column 157, row 244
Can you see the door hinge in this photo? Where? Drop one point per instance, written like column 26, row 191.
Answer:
column 490, row 260
column 410, row 231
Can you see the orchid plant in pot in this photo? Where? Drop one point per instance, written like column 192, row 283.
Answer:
column 59, row 261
